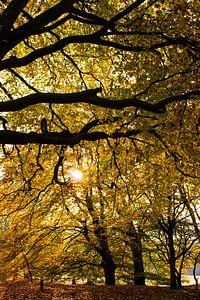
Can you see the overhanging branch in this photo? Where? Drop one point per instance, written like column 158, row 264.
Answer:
column 59, row 138
column 10, row 38
column 11, row 13
column 178, row 98
column 36, row 24
column 97, row 38
column 91, row 97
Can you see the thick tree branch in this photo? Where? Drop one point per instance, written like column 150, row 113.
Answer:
column 178, row 98
column 11, row 13
column 93, row 39
column 9, row 39
column 13, row 61
column 91, row 97
column 59, row 138
column 36, row 24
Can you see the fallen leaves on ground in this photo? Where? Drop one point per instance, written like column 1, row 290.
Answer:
column 31, row 291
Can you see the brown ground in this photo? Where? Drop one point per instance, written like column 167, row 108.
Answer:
column 22, row 291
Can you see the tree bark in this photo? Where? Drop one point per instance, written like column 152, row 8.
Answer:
column 194, row 270
column 191, row 212
column 103, row 249
column 108, row 263
column 172, row 258
column 135, row 244
column 109, row 271
column 41, row 284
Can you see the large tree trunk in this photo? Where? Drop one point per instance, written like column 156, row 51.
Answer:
column 135, row 244
column 109, row 271
column 102, row 248
column 179, row 282
column 108, row 263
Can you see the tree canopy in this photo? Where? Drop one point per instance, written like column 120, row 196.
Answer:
column 126, row 58
column 110, row 88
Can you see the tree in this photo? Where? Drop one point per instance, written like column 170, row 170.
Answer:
column 78, row 72
column 176, row 236
column 69, row 228
column 172, row 223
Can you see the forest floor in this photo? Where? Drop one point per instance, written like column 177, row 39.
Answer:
column 28, row 291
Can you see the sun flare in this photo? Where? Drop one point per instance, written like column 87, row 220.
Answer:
column 75, row 175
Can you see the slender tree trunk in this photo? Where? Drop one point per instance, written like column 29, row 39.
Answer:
column 135, row 244
column 194, row 270
column 172, row 260
column 41, row 284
